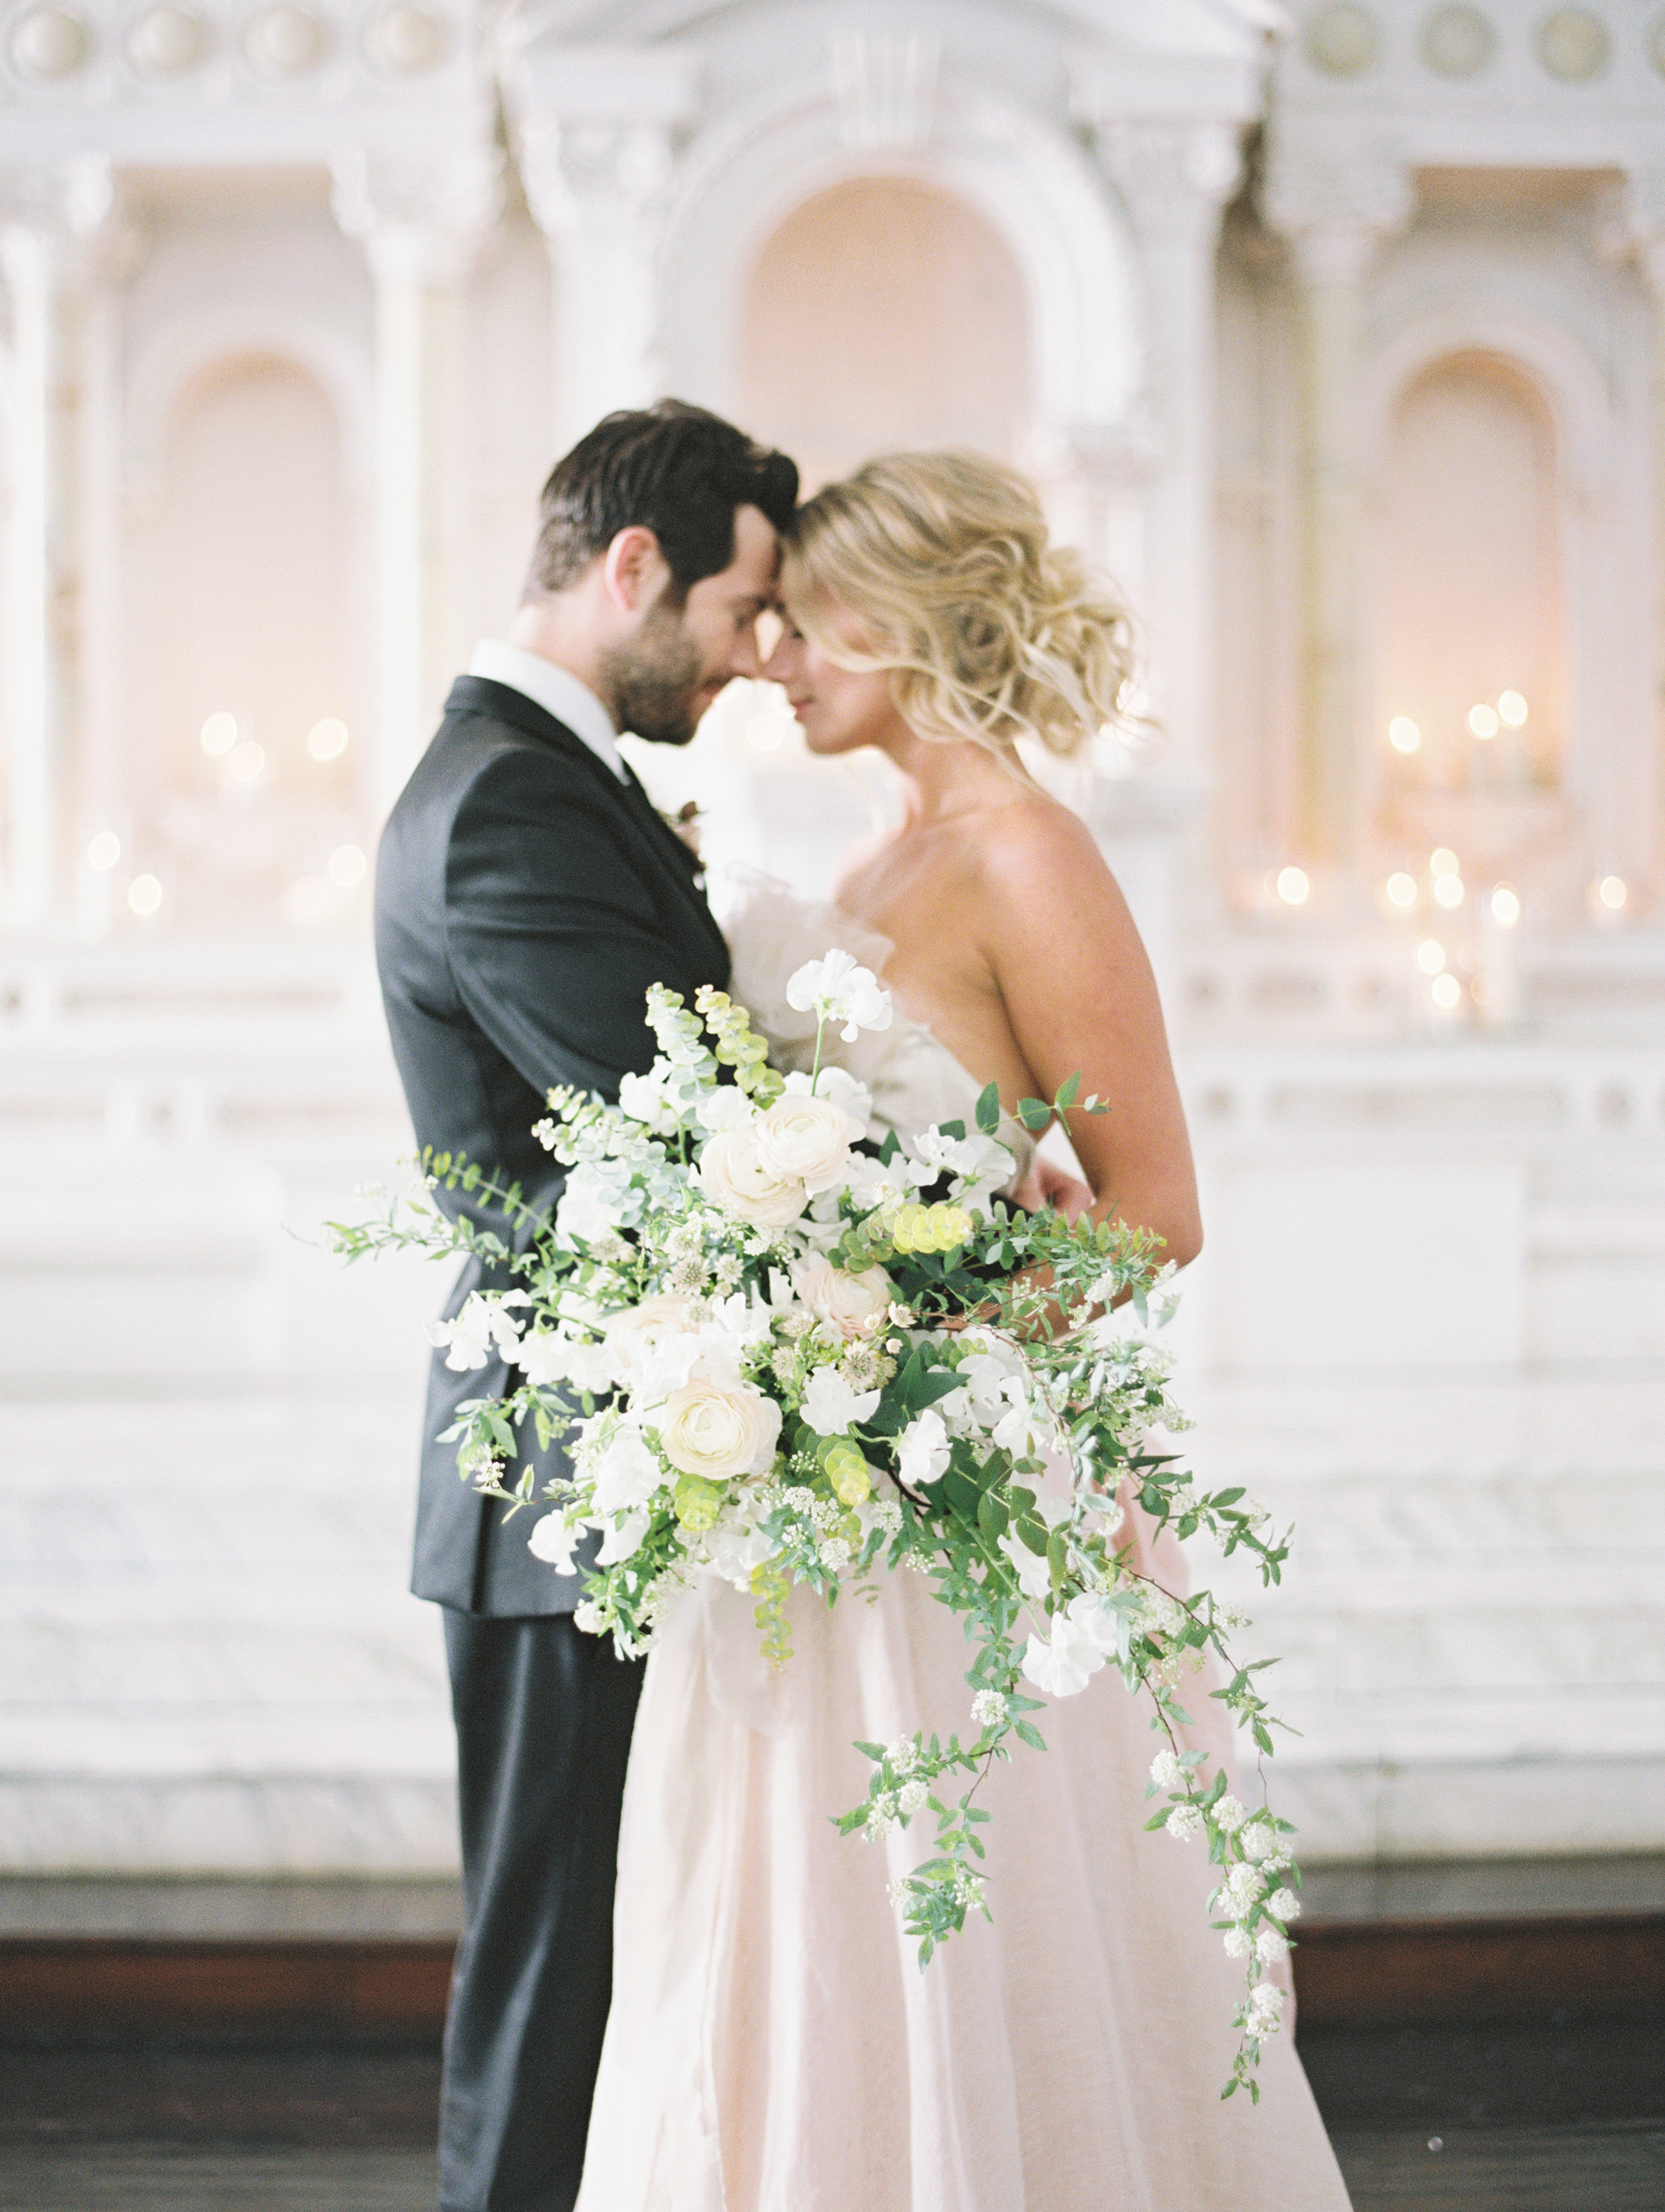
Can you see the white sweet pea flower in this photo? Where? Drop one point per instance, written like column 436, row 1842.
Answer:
column 726, row 1107
column 873, row 1183
column 1065, row 1664
column 1098, row 1619
column 625, row 1474
column 734, row 1547
column 831, row 1406
column 546, row 1358
column 632, row 1337
column 921, row 1450
column 483, row 1326
column 1033, row 1579
column 618, row 1543
column 648, row 1098
column 838, row 989
column 662, row 1368
column 738, row 1322
column 585, row 1210
column 554, row 1539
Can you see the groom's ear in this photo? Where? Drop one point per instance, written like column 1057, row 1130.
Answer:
column 634, row 570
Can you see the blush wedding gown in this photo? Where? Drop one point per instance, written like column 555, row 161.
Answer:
column 772, row 2045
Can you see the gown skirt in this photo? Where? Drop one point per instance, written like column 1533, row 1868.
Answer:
column 773, row 2045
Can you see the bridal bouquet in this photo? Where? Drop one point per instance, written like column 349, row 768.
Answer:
column 778, row 1356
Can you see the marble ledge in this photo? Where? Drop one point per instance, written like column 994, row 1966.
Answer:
column 223, row 1825
column 340, row 1744
column 1466, row 1808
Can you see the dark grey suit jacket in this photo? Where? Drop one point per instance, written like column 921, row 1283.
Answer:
column 525, row 899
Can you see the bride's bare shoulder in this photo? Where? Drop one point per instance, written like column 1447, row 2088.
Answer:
column 1036, row 847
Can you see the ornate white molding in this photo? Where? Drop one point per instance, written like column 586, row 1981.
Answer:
column 421, row 220
column 885, row 83
column 65, row 203
column 579, row 173
column 1175, row 177
column 1337, row 206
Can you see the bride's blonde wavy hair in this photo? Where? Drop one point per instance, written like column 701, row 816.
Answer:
column 987, row 630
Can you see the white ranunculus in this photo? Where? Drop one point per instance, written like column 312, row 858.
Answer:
column 840, row 1085
column 805, row 1141
column 733, row 1177
column 618, row 1543
column 718, row 1430
column 1064, row 1664
column 839, row 989
column 625, row 1474
column 553, row 1540
column 831, row 1406
column 854, row 1305
column 922, row 1451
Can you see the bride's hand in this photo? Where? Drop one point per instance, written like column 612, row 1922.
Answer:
column 1046, row 1184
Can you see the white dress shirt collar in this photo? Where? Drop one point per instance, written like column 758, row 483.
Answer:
column 557, row 691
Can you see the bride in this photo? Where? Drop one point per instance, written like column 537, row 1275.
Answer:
column 772, row 2045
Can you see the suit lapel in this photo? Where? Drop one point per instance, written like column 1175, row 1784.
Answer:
column 502, row 702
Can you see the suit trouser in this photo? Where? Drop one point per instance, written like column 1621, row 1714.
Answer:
column 543, row 1717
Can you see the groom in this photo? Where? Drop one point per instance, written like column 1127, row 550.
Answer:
column 526, row 896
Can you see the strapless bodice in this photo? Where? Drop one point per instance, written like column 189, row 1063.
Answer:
column 914, row 1080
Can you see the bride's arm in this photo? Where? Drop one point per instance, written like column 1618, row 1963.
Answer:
column 1078, row 991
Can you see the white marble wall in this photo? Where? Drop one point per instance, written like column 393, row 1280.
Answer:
column 1430, row 1327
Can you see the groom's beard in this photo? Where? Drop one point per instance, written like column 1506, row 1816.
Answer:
column 655, row 679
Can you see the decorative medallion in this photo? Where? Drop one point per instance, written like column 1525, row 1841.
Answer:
column 1457, row 41
column 168, row 39
column 51, row 42
column 1341, row 40
column 286, row 41
column 1573, row 45
column 404, row 39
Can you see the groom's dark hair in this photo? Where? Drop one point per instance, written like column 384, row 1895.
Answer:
column 671, row 469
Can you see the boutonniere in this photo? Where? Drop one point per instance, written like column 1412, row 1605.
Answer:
column 685, row 823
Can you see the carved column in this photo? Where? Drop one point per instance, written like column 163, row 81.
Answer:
column 1642, row 219
column 596, row 143
column 47, row 221
column 1336, row 216
column 1175, row 178
column 420, row 224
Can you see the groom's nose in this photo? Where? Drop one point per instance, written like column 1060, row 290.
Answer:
column 744, row 659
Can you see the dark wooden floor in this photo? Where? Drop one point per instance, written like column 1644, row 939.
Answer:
column 1563, row 2116
column 1466, row 2057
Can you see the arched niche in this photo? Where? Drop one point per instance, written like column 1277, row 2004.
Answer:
column 1032, row 184
column 884, row 313
column 244, row 603
column 1470, row 600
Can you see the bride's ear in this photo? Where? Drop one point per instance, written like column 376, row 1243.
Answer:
column 633, row 569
